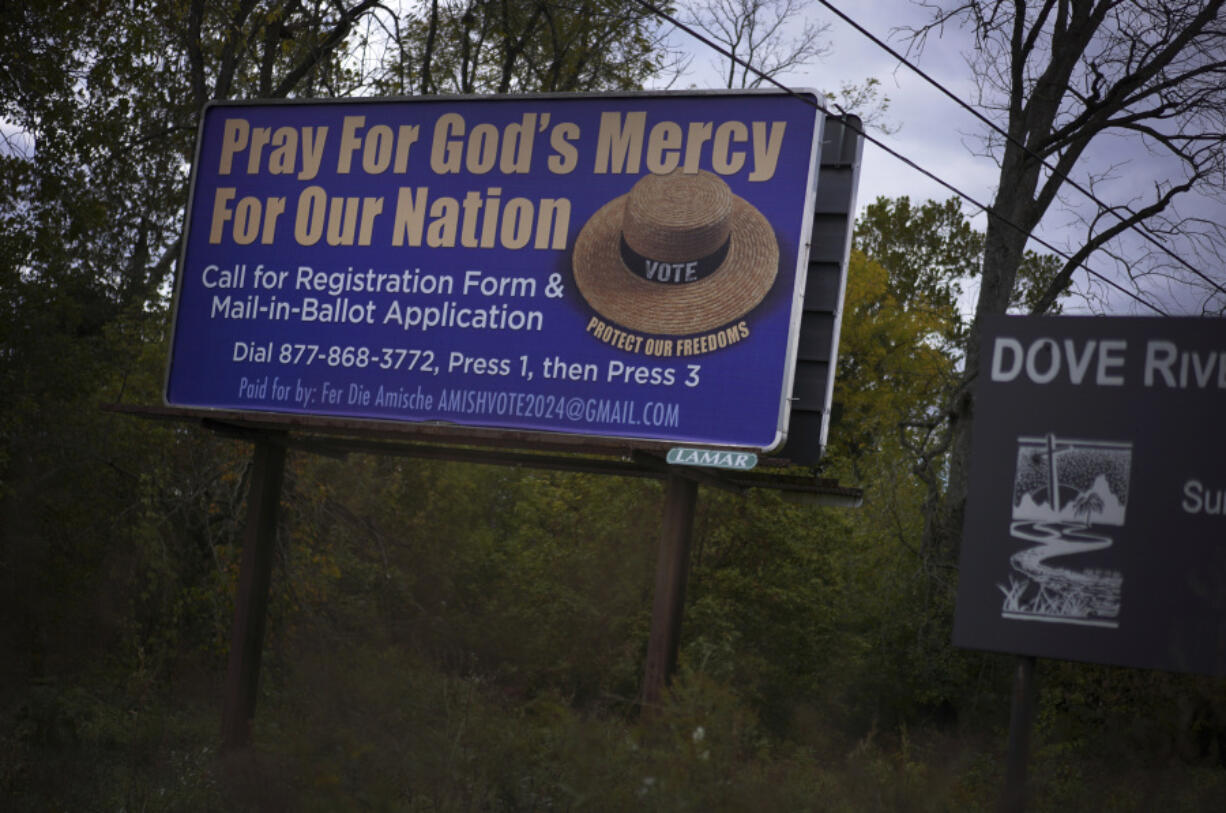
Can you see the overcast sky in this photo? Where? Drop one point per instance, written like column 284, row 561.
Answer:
column 928, row 121
column 939, row 135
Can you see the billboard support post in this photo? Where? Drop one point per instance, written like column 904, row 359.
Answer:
column 672, row 571
column 1021, row 721
column 251, row 600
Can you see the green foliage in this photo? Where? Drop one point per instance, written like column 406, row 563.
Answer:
column 762, row 610
column 932, row 252
column 564, row 602
column 894, row 367
column 536, row 578
column 404, row 736
column 479, row 46
column 71, row 748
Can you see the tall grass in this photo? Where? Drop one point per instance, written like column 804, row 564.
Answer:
column 362, row 728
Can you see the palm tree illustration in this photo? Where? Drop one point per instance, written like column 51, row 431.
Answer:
column 1089, row 504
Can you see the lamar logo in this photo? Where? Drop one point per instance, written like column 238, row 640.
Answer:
column 712, row 458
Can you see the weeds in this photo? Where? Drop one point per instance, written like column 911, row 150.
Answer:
column 382, row 730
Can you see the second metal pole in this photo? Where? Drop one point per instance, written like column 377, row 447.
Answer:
column 672, row 572
column 251, row 600
column 1021, row 720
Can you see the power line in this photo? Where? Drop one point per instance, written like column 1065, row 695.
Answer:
column 894, row 153
column 1103, row 206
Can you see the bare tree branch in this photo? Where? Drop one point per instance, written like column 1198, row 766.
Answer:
column 752, row 30
column 1062, row 74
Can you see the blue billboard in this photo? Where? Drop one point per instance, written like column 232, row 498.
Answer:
column 614, row 266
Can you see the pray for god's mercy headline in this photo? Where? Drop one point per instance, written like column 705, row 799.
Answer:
column 625, row 144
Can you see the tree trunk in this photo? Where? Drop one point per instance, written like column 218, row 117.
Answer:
column 1004, row 245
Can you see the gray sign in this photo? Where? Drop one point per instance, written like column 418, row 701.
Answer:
column 1095, row 525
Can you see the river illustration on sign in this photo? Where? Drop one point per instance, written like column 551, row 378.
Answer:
column 1068, row 495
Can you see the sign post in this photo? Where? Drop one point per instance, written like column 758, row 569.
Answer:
column 672, row 570
column 1021, row 723
column 251, row 601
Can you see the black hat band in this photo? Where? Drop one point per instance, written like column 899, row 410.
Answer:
column 673, row 273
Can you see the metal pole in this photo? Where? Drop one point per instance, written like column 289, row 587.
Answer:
column 251, row 601
column 672, row 572
column 1021, row 720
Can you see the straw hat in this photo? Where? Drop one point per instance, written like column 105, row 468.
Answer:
column 677, row 254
